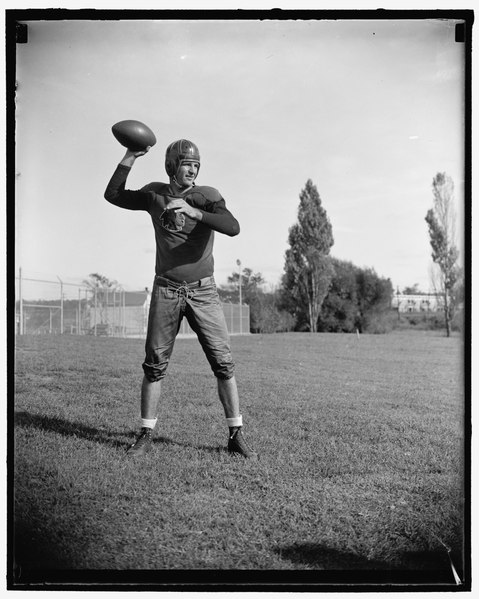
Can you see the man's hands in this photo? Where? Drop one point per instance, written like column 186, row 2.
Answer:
column 131, row 155
column 180, row 206
column 173, row 218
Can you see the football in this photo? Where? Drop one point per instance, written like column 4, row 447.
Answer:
column 134, row 135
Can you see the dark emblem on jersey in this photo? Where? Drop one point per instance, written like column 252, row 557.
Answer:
column 171, row 220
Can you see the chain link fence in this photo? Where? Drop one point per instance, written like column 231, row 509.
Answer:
column 50, row 305
column 56, row 305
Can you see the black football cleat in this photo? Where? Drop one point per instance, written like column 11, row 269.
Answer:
column 237, row 445
column 142, row 445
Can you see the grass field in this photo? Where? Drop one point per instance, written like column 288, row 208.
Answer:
column 361, row 442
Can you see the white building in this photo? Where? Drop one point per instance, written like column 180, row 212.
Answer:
column 418, row 302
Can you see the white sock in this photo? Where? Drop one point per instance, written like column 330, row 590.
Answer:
column 235, row 421
column 148, row 422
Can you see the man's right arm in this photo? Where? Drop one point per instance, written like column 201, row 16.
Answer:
column 116, row 193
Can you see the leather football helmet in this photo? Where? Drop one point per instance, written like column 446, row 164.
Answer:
column 180, row 151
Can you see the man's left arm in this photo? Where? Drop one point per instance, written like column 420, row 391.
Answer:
column 213, row 212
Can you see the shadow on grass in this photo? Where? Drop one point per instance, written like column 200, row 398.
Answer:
column 407, row 564
column 33, row 550
column 97, row 435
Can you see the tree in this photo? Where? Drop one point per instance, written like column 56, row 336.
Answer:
column 101, row 286
column 250, row 284
column 339, row 311
column 441, row 220
column 357, row 299
column 308, row 268
column 251, row 290
column 265, row 315
column 414, row 290
column 374, row 300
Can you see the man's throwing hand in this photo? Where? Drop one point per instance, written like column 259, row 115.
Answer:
column 131, row 155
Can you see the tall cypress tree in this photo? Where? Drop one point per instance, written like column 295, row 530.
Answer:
column 308, row 268
column 441, row 220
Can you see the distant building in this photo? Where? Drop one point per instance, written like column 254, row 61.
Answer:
column 126, row 314
column 418, row 302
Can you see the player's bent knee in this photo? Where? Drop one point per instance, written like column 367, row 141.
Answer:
column 223, row 366
column 155, row 371
column 223, row 377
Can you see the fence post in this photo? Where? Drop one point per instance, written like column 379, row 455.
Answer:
column 95, row 314
column 61, row 305
column 79, row 311
column 20, row 299
column 123, row 319
column 87, row 316
column 107, row 316
column 114, row 313
column 238, row 262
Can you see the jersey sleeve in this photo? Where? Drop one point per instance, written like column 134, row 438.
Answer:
column 117, row 195
column 216, row 215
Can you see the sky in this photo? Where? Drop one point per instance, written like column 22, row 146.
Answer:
column 368, row 110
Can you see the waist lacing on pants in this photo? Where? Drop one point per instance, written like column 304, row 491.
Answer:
column 182, row 291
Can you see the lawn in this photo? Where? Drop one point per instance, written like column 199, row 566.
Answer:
column 361, row 470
